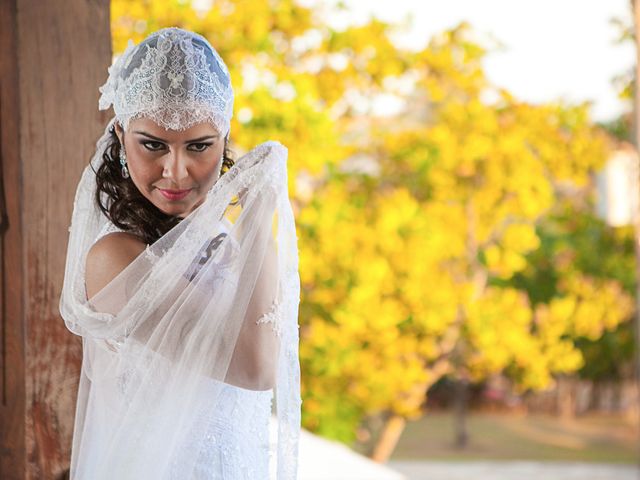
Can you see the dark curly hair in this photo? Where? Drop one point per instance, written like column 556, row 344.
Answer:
column 121, row 201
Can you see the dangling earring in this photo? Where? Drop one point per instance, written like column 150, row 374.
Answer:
column 123, row 162
column 221, row 164
column 226, row 142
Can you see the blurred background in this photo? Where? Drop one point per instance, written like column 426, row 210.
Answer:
column 464, row 179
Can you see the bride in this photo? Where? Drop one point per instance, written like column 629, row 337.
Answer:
column 182, row 280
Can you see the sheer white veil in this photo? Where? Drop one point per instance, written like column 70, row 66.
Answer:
column 212, row 302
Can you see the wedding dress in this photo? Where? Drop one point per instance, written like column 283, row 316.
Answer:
column 186, row 348
column 147, row 409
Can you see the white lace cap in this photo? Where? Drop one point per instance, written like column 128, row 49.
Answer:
column 174, row 77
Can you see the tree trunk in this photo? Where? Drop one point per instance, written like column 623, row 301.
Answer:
column 596, row 393
column 54, row 56
column 389, row 437
column 460, row 413
column 565, row 398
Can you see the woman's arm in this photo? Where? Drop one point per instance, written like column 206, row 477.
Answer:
column 255, row 358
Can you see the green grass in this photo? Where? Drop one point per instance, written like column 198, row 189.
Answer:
column 595, row 438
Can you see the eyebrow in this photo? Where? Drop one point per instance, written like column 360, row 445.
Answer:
column 199, row 139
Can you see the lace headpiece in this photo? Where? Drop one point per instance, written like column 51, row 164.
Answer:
column 174, row 77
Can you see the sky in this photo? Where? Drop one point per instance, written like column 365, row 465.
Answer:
column 553, row 49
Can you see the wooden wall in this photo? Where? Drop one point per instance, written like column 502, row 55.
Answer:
column 54, row 55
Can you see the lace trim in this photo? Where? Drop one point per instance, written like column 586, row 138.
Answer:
column 174, row 77
column 273, row 316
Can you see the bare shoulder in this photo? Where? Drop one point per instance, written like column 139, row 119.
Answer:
column 108, row 257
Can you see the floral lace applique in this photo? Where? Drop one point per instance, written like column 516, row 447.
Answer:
column 273, row 316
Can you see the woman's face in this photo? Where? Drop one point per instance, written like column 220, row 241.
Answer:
column 172, row 169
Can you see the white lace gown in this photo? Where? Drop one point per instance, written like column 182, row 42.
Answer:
column 236, row 443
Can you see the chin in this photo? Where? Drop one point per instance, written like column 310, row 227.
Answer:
column 169, row 207
column 173, row 210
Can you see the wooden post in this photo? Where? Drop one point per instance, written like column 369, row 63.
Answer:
column 54, row 56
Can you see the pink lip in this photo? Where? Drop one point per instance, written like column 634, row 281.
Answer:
column 174, row 194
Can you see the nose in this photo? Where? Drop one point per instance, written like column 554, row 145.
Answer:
column 175, row 167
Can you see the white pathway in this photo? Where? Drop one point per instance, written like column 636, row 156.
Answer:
column 322, row 459
column 513, row 470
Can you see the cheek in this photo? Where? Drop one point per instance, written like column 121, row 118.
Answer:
column 143, row 170
column 209, row 171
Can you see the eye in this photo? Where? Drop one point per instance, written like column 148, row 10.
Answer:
column 199, row 147
column 153, row 146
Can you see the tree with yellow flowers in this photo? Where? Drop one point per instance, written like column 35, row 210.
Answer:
column 493, row 171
